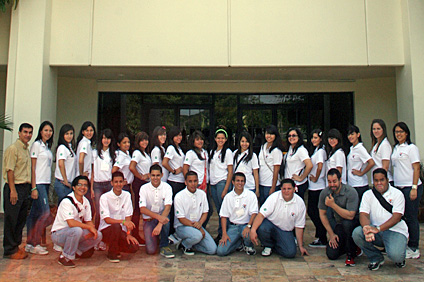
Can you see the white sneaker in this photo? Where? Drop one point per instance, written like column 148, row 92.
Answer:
column 57, row 248
column 101, row 246
column 38, row 250
column 250, row 251
column 28, row 248
column 266, row 252
column 410, row 254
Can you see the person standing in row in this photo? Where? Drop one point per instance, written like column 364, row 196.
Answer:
column 41, row 170
column 157, row 149
column 123, row 160
column 381, row 148
column 359, row 162
column 270, row 158
column 196, row 160
column 297, row 161
column 16, row 191
column 174, row 162
column 221, row 171
column 65, row 162
column 246, row 162
column 316, row 185
column 406, row 177
column 336, row 157
column 139, row 166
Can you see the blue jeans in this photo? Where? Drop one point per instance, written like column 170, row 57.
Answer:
column 235, row 232
column 152, row 241
column 216, row 191
column 192, row 238
column 72, row 240
column 264, row 193
column 61, row 190
column 411, row 215
column 39, row 215
column 273, row 237
column 394, row 242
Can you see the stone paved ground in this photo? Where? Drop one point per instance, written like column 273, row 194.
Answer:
column 236, row 267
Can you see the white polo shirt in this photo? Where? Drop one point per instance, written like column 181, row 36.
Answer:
column 247, row 168
column 67, row 211
column 115, row 207
column 157, row 158
column 318, row 157
column 84, row 146
column 43, row 168
column 383, row 152
column 218, row 169
column 143, row 162
column 190, row 205
column 155, row 199
column 338, row 159
column 123, row 161
column 284, row 215
column 295, row 163
column 71, row 161
column 197, row 165
column 175, row 161
column 267, row 160
column 379, row 215
column 239, row 208
column 357, row 159
column 102, row 167
column 403, row 156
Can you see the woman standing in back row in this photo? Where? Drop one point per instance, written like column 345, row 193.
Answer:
column 157, row 149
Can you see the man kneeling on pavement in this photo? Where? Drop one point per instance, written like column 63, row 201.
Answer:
column 281, row 213
column 380, row 215
column 73, row 229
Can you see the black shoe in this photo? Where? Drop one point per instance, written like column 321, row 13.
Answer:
column 375, row 265
column 400, row 264
column 241, row 247
column 86, row 254
column 317, row 244
column 113, row 258
column 65, row 262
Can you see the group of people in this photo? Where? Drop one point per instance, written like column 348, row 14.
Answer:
column 172, row 190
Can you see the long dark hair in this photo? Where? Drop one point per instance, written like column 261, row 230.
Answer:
column 354, row 129
column 154, row 141
column 334, row 133
column 383, row 126
column 220, row 130
column 174, row 131
column 405, row 128
column 195, row 135
column 272, row 129
column 84, row 126
column 249, row 156
column 50, row 140
column 139, row 137
column 61, row 140
column 320, row 134
column 109, row 135
column 300, row 141
column 121, row 137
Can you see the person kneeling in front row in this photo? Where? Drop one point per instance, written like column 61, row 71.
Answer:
column 281, row 213
column 115, row 219
column 191, row 210
column 381, row 214
column 73, row 229
column 238, row 211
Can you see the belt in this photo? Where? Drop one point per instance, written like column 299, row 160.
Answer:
column 148, row 219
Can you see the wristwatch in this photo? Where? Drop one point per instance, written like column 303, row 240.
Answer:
column 378, row 228
column 249, row 226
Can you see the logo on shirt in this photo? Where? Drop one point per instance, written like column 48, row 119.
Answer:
column 292, row 214
column 186, row 159
column 83, row 148
column 33, row 153
column 264, row 209
column 102, row 212
column 117, row 162
column 391, row 201
column 178, row 212
column 244, row 206
column 141, row 201
column 61, row 154
column 70, row 213
column 156, row 157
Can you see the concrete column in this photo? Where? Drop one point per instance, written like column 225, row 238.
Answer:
column 31, row 86
column 409, row 79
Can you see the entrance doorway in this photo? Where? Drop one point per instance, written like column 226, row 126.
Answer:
column 134, row 112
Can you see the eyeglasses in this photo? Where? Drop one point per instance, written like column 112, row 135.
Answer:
column 399, row 131
column 292, row 136
column 82, row 185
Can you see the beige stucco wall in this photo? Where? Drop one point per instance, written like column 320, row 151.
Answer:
column 2, row 104
column 222, row 33
column 76, row 102
column 373, row 98
column 4, row 36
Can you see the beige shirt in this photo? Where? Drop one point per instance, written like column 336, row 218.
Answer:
column 16, row 158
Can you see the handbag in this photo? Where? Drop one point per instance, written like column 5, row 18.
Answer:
column 203, row 186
